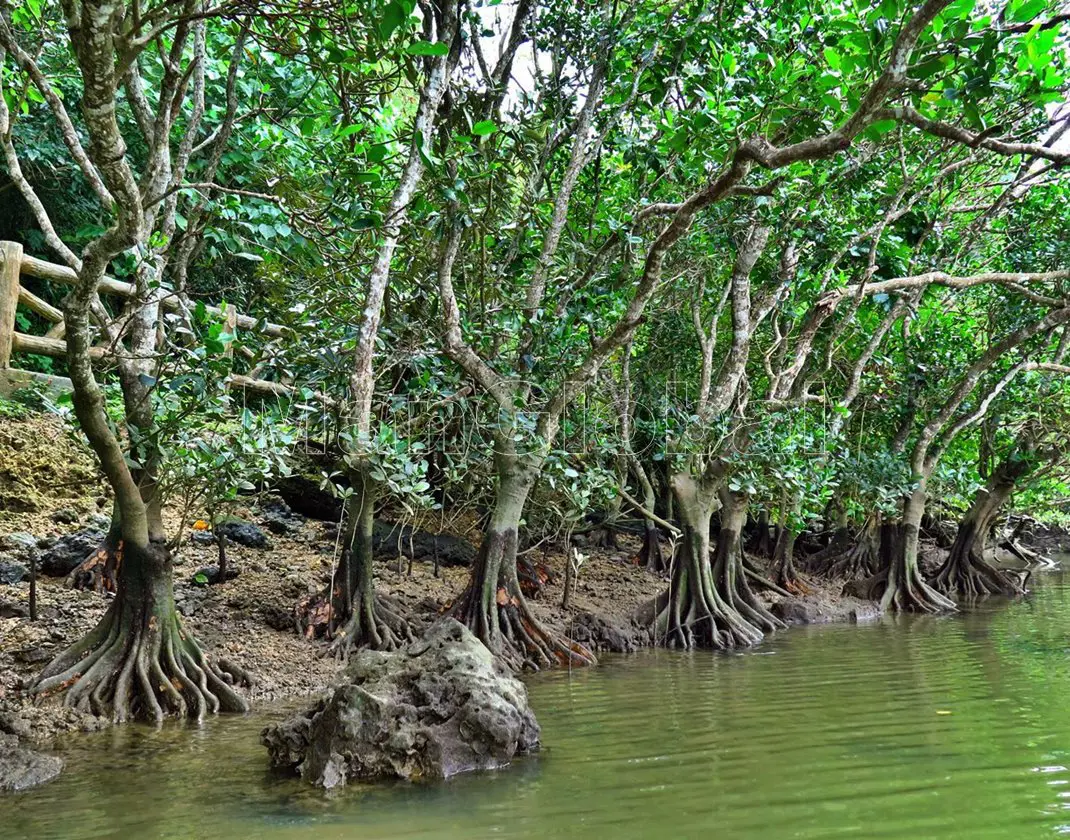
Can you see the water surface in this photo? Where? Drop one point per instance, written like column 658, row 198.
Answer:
column 955, row 727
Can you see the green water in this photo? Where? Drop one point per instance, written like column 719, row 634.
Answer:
column 953, row 727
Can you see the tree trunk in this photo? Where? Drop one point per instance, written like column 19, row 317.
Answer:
column 650, row 555
column 905, row 589
column 762, row 544
column 966, row 571
column 709, row 605
column 139, row 661
column 492, row 604
column 221, row 544
column 784, row 573
column 368, row 619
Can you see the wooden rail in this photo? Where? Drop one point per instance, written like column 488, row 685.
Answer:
column 14, row 264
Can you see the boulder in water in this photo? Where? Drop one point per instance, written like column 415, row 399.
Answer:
column 443, row 705
column 21, row 768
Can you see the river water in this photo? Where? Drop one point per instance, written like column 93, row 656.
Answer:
column 919, row 727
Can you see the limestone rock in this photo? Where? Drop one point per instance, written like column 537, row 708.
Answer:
column 244, row 533
column 12, row 572
column 21, row 768
column 443, row 705
column 818, row 610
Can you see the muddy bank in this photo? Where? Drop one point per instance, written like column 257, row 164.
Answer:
column 250, row 620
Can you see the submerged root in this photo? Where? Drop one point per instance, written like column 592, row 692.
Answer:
column 376, row 624
column 128, row 668
column 514, row 635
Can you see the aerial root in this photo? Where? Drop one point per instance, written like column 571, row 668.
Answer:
column 521, row 642
column 965, row 574
column 378, row 625
column 857, row 562
column 151, row 672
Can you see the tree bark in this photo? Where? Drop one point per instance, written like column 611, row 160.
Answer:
column 966, row 571
column 492, row 604
column 905, row 588
column 709, row 604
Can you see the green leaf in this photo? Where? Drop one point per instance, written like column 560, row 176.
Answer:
column 1028, row 10
column 833, row 58
column 959, row 10
column 427, row 48
column 393, row 16
column 483, row 128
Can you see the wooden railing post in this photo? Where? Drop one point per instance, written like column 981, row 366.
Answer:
column 10, row 266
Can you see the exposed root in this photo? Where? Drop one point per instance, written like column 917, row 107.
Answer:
column 966, row 574
column 314, row 615
column 899, row 585
column 376, row 624
column 784, row 573
column 533, row 576
column 651, row 556
column 513, row 633
column 840, row 542
column 100, row 570
column 858, row 562
column 138, row 662
column 703, row 609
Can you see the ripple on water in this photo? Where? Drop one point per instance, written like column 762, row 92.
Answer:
column 914, row 728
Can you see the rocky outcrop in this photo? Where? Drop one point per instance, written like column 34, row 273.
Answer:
column 443, row 705
column 603, row 633
column 304, row 495
column 390, row 541
column 244, row 533
column 818, row 610
column 12, row 572
column 22, row 768
column 17, row 552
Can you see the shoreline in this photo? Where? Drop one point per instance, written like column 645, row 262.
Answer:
column 249, row 620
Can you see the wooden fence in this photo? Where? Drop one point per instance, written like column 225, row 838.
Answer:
column 15, row 264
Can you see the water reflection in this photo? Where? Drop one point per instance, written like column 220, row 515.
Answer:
column 916, row 727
